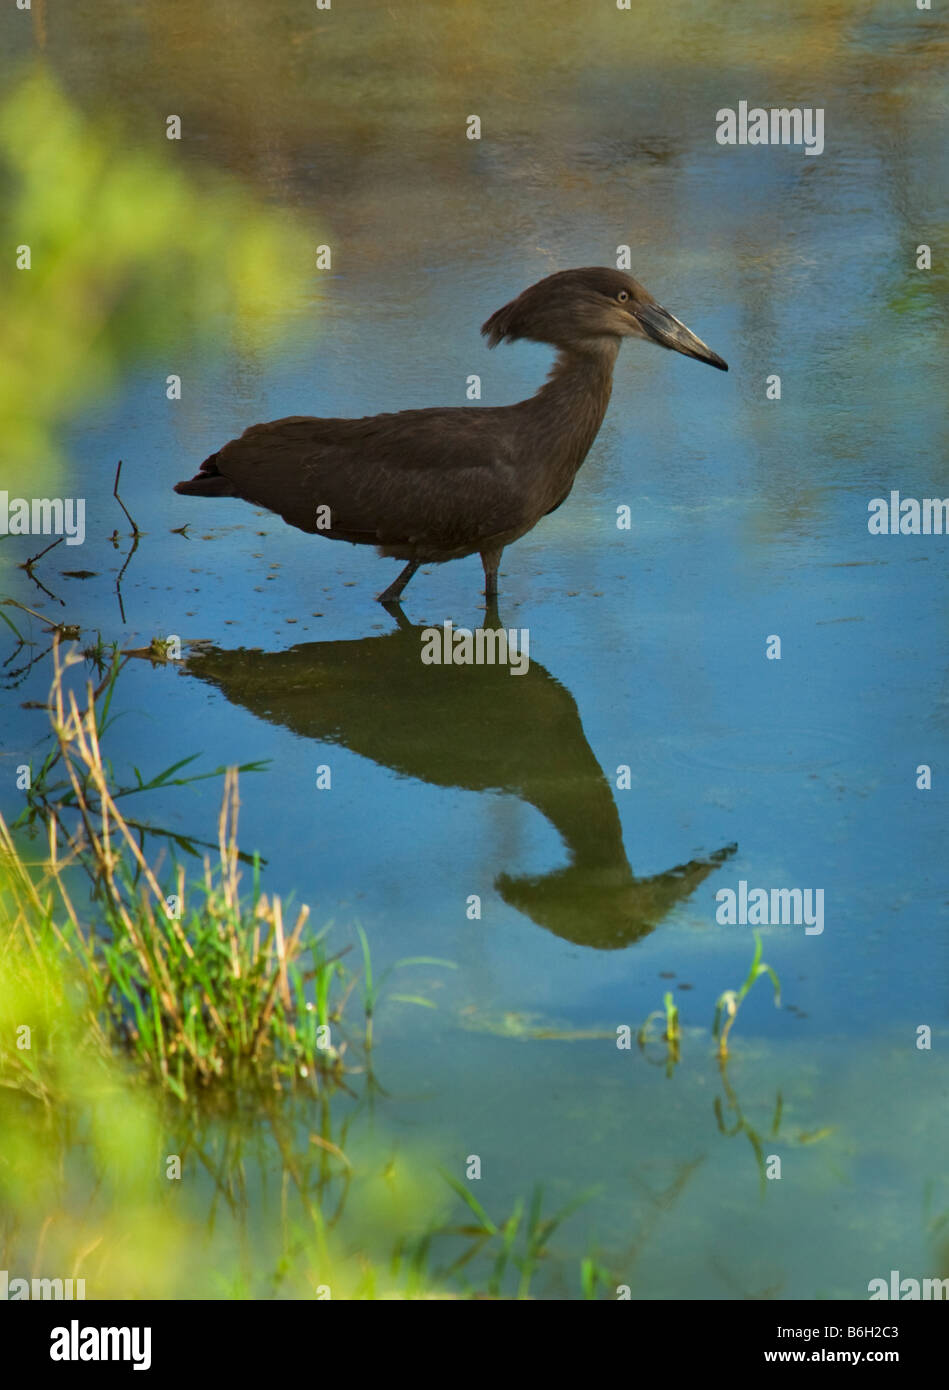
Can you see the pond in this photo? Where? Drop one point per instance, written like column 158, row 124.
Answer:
column 562, row 839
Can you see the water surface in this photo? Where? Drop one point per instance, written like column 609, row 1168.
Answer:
column 749, row 519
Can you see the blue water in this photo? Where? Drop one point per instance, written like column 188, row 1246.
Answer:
column 749, row 519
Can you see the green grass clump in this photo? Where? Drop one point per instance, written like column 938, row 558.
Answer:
column 202, row 987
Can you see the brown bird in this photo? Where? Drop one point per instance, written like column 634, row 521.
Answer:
column 426, row 486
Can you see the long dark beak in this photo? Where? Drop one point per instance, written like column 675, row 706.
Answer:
column 668, row 332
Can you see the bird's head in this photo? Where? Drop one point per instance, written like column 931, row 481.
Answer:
column 583, row 310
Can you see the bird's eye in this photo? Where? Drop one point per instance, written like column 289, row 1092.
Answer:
column 623, row 296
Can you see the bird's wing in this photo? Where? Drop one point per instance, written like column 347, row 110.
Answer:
column 439, row 478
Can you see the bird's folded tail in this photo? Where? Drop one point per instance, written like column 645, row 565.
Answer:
column 207, row 482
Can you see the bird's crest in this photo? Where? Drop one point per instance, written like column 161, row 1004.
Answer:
column 503, row 325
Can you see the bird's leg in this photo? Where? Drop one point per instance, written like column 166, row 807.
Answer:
column 394, row 591
column 492, row 618
column 490, row 559
column 397, row 613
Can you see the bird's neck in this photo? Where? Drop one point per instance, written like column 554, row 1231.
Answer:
column 567, row 411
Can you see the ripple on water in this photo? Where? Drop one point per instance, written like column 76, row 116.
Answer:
column 759, row 749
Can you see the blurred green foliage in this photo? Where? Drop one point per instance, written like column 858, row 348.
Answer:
column 129, row 254
column 86, row 1186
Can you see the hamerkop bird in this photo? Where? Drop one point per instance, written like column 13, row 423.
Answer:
column 426, row 486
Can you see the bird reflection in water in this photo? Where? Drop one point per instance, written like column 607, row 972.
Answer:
column 475, row 728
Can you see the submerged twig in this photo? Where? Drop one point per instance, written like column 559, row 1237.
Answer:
column 115, row 493
column 27, row 565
